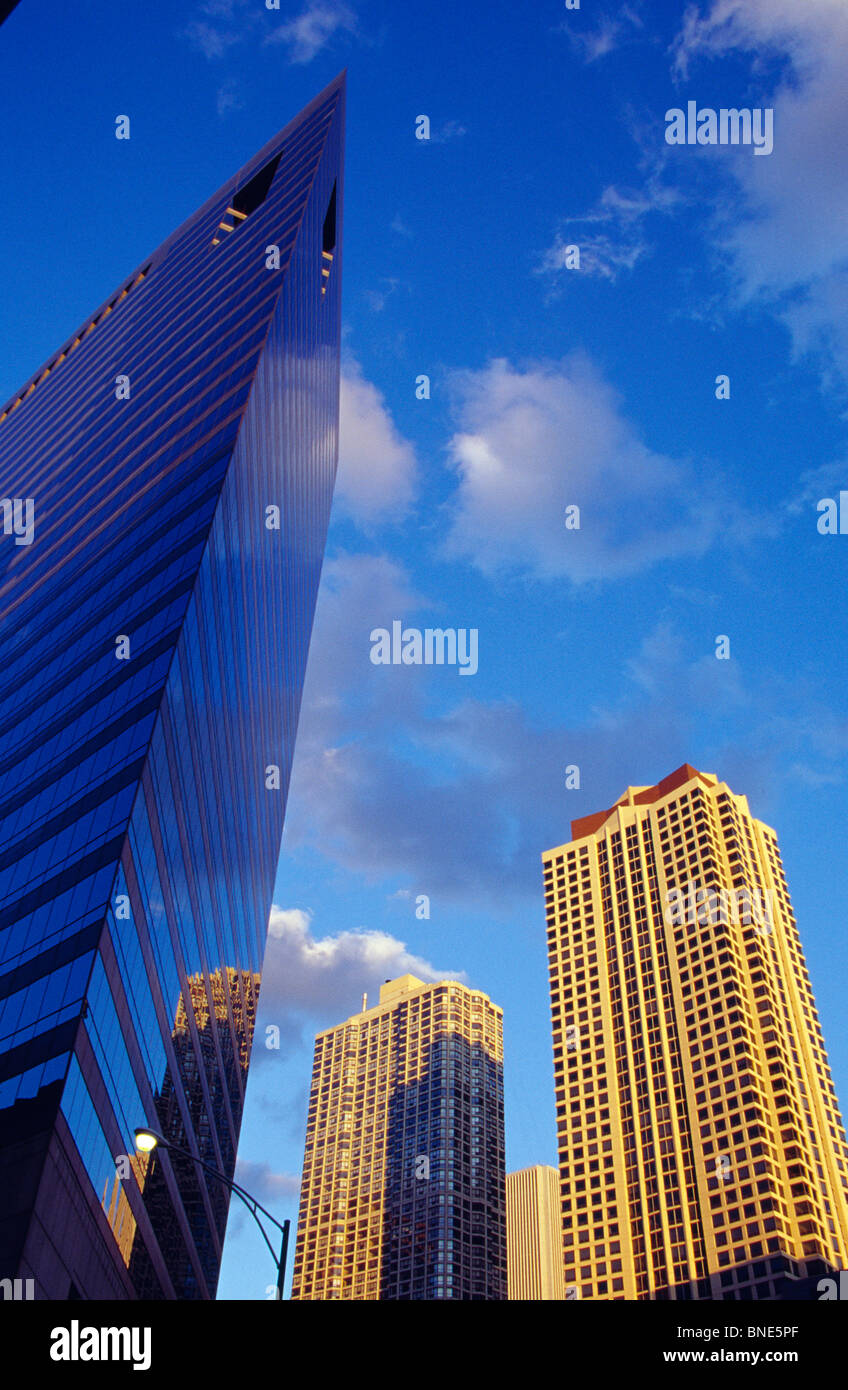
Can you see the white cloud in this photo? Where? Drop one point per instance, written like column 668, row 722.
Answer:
column 377, row 297
column 790, row 246
column 310, row 31
column 535, row 441
column 262, row 1182
column 661, row 664
column 611, row 33
column 213, row 42
column 458, row 804
column 612, row 236
column 377, row 466
column 461, row 805
column 357, row 594
column 326, row 978
column 813, row 485
column 750, row 25
column 224, row 23
column 814, row 777
column 600, row 254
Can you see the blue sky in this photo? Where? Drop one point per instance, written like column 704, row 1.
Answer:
column 549, row 386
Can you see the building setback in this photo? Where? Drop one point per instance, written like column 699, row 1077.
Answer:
column 701, row 1151
column 176, row 459
column 534, row 1234
column 403, row 1192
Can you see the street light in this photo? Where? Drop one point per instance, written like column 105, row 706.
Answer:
column 147, row 1139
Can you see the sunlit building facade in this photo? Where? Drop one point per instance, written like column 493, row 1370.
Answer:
column 701, row 1150
column 403, row 1190
column 534, row 1235
column 172, row 467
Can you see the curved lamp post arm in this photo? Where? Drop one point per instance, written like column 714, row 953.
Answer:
column 249, row 1201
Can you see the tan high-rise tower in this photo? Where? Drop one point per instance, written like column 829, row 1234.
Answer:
column 534, row 1234
column 701, row 1150
column 403, row 1192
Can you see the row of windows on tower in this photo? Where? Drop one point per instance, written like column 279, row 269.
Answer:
column 74, row 342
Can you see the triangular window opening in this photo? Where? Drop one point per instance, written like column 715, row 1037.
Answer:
column 251, row 196
column 328, row 241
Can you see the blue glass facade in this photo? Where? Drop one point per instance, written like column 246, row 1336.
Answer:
column 179, row 455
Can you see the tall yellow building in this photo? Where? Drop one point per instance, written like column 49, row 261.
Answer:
column 701, row 1151
column 403, row 1191
column 534, row 1234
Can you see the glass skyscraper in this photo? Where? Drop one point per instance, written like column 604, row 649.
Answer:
column 165, row 482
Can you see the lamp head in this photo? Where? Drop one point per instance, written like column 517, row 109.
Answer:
column 146, row 1140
